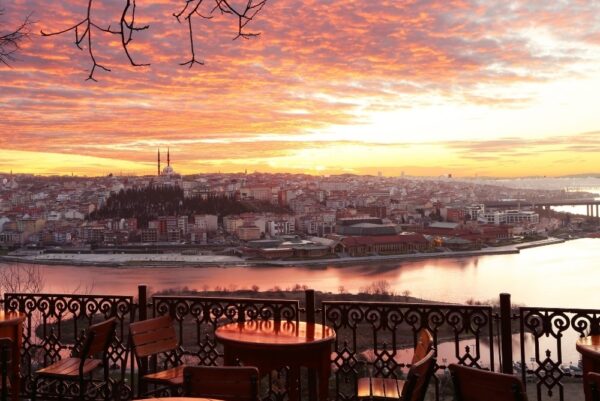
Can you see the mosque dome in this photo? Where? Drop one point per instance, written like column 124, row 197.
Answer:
column 168, row 170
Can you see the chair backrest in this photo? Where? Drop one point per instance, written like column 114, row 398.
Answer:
column 471, row 384
column 593, row 380
column 229, row 383
column 418, row 378
column 153, row 336
column 424, row 345
column 5, row 358
column 98, row 338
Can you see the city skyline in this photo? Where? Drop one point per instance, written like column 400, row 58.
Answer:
column 425, row 88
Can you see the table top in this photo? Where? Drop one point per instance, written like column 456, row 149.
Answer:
column 273, row 333
column 179, row 399
column 11, row 317
column 589, row 345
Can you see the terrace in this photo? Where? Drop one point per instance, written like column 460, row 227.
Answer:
column 372, row 338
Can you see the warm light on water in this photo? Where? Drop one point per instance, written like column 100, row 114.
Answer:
column 562, row 275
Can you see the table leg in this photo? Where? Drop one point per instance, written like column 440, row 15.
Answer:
column 16, row 362
column 228, row 357
column 312, row 384
column 324, row 371
column 294, row 383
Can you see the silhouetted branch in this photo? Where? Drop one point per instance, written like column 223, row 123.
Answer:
column 10, row 43
column 127, row 28
column 191, row 7
column 83, row 29
column 244, row 17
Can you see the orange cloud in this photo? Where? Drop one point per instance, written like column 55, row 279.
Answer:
column 316, row 65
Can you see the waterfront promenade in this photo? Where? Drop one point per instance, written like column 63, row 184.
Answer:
column 172, row 259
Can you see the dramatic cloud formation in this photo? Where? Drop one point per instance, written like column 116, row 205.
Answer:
column 426, row 87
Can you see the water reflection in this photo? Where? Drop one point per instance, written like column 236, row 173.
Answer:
column 563, row 275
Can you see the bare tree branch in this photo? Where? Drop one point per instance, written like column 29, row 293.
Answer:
column 244, row 16
column 10, row 43
column 21, row 277
column 127, row 27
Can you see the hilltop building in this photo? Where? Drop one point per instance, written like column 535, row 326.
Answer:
column 168, row 176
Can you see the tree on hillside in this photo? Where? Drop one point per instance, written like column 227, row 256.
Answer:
column 126, row 27
column 151, row 202
column 10, row 42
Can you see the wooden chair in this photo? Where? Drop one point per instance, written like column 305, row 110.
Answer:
column 389, row 387
column 471, row 384
column 5, row 356
column 153, row 337
column 93, row 356
column 229, row 383
column 413, row 388
column 593, row 381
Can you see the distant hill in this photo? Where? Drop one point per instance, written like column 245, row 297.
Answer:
column 151, row 202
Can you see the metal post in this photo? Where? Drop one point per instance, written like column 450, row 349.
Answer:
column 142, row 302
column 310, row 306
column 310, row 318
column 506, row 333
column 142, row 315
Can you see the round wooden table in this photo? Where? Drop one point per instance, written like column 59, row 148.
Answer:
column 11, row 326
column 589, row 347
column 271, row 345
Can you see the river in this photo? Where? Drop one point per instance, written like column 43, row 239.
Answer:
column 564, row 275
column 561, row 275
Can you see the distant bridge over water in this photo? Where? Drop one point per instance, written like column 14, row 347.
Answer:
column 513, row 204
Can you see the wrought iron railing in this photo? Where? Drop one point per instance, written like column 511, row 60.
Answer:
column 546, row 328
column 372, row 337
column 54, row 327
column 198, row 317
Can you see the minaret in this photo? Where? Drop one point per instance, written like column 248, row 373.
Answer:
column 158, row 161
column 168, row 158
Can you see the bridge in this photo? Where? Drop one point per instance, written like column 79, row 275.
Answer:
column 512, row 204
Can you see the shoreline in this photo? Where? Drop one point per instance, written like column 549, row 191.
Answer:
column 178, row 260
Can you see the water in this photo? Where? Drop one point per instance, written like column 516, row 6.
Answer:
column 562, row 275
column 579, row 209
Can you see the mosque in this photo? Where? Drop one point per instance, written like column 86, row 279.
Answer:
column 168, row 176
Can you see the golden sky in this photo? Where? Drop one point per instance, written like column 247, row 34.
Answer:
column 429, row 87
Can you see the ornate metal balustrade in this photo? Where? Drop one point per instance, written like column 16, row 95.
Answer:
column 198, row 317
column 53, row 329
column 371, row 336
column 547, row 327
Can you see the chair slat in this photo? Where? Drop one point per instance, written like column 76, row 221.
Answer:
column 472, row 384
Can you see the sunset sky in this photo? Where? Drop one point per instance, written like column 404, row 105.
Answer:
column 494, row 88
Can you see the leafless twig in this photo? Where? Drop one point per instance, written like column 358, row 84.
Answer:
column 21, row 277
column 10, row 43
column 83, row 30
column 244, row 16
column 191, row 8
